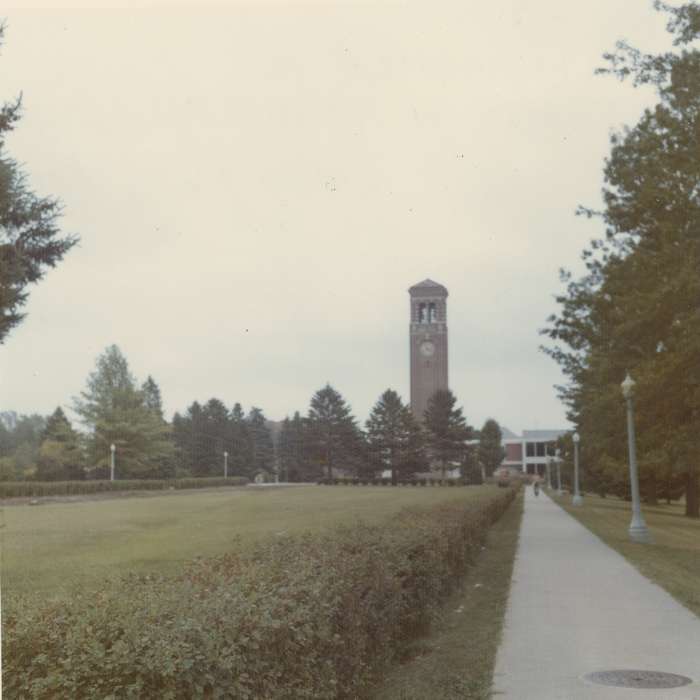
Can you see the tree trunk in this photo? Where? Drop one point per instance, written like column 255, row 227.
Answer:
column 692, row 494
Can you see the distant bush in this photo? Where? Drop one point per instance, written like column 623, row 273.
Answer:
column 306, row 616
column 17, row 489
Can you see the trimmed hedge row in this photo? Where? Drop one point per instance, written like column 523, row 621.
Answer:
column 312, row 616
column 18, row 489
column 340, row 481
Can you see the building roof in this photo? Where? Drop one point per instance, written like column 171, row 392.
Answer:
column 544, row 435
column 428, row 286
column 508, row 434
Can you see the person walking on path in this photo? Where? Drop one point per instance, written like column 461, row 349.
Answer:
column 577, row 607
column 536, row 487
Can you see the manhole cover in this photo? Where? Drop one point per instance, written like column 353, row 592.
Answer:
column 638, row 679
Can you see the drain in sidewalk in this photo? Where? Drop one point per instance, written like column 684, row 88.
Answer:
column 638, row 679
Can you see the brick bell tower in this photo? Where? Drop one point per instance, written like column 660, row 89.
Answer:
column 428, row 343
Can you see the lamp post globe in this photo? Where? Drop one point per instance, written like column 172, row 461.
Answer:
column 577, row 500
column 112, row 450
column 638, row 530
column 557, row 457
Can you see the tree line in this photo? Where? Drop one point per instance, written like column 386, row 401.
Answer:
column 637, row 307
column 208, row 438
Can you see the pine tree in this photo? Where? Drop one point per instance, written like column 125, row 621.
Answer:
column 394, row 437
column 60, row 454
column 241, row 444
column 116, row 413
column 491, row 452
column 334, row 438
column 30, row 240
column 294, row 450
column 263, row 455
column 446, row 429
column 152, row 397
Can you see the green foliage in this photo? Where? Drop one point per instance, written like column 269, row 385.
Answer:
column 394, row 437
column 309, row 616
column 119, row 414
column 294, row 450
column 637, row 308
column 263, row 453
column 60, row 454
column 446, row 429
column 491, row 452
column 204, row 433
column 30, row 240
column 334, row 439
column 36, row 489
column 20, row 440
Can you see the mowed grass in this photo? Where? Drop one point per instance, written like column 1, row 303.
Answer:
column 456, row 661
column 51, row 548
column 672, row 561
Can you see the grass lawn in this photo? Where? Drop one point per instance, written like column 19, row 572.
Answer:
column 51, row 548
column 672, row 561
column 456, row 661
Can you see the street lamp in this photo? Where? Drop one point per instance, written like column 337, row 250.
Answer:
column 557, row 458
column 638, row 530
column 225, row 465
column 577, row 500
column 112, row 450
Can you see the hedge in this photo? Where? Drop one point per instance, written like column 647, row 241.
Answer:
column 307, row 616
column 17, row 489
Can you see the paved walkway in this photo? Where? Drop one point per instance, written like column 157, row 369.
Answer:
column 577, row 607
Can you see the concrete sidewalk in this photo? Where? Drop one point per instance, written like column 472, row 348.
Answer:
column 577, row 607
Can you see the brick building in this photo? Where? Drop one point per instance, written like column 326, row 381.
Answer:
column 530, row 451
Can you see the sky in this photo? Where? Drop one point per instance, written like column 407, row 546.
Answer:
column 256, row 185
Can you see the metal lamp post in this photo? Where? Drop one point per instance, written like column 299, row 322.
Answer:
column 577, row 500
column 638, row 530
column 112, row 450
column 225, row 465
column 558, row 461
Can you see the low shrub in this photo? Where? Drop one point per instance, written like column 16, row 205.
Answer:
column 35, row 489
column 307, row 616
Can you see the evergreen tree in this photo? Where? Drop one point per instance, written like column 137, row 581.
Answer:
column 263, row 455
column 491, row 452
column 334, row 438
column 151, row 396
column 394, row 437
column 60, row 454
column 294, row 450
column 116, row 413
column 241, row 444
column 446, row 429
column 30, row 240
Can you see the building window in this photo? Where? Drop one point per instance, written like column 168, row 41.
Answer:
column 530, row 449
column 541, row 449
column 551, row 449
column 422, row 313
column 432, row 313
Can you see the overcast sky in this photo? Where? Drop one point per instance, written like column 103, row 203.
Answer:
column 256, row 185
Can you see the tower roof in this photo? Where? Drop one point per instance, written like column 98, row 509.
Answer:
column 428, row 287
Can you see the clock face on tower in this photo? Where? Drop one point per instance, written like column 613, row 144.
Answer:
column 427, row 349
